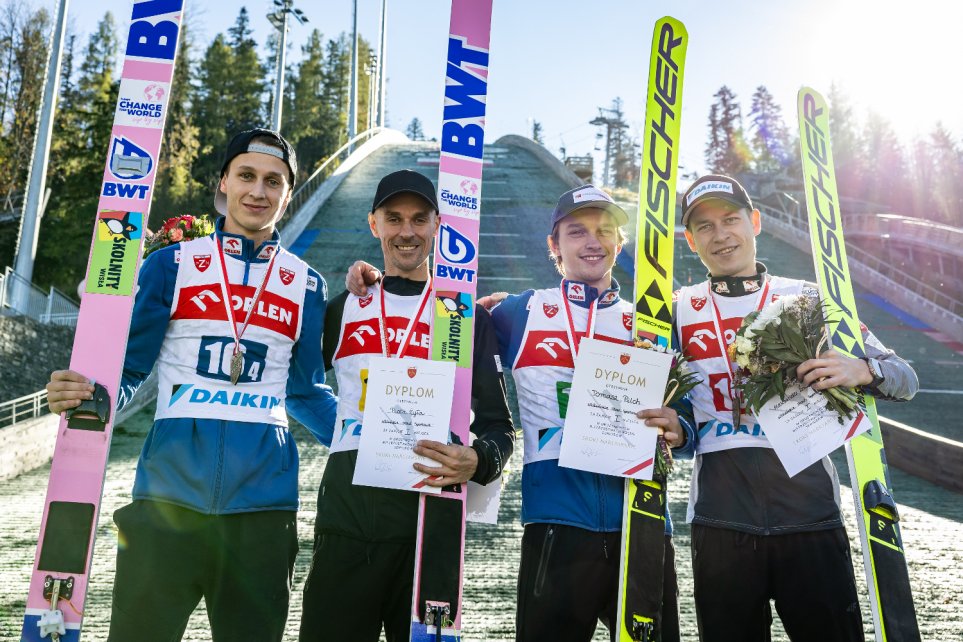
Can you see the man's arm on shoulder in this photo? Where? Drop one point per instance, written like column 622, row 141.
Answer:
column 332, row 328
column 308, row 399
column 900, row 382
column 153, row 303
column 493, row 425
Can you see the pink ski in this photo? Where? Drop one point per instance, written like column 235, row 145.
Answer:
column 58, row 586
column 440, row 545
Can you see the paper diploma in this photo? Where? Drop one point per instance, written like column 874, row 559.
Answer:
column 802, row 431
column 408, row 400
column 602, row 433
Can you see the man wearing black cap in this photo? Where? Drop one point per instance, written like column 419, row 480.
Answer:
column 364, row 554
column 233, row 323
column 569, row 573
column 757, row 534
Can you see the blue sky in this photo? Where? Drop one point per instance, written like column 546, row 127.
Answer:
column 557, row 61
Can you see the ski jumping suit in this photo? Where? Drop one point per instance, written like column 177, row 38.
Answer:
column 758, row 534
column 364, row 547
column 216, row 486
column 568, row 578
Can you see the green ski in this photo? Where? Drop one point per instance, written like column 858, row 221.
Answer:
column 643, row 518
column 890, row 597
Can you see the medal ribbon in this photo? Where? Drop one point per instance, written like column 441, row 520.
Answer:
column 720, row 337
column 409, row 333
column 570, row 326
column 226, row 284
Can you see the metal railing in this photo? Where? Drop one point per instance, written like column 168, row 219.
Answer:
column 799, row 226
column 313, row 182
column 20, row 296
column 23, row 408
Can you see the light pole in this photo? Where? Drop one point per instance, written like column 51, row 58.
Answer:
column 381, row 63
column 33, row 201
column 279, row 18
column 371, row 70
column 353, row 93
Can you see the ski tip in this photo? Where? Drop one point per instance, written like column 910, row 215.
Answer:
column 677, row 25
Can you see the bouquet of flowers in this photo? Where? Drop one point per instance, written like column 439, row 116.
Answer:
column 177, row 229
column 681, row 380
column 771, row 344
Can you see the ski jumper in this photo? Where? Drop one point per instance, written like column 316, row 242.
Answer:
column 215, row 491
column 572, row 518
column 757, row 533
column 364, row 548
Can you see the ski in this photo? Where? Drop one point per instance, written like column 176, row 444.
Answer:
column 440, row 544
column 61, row 571
column 643, row 518
column 887, row 576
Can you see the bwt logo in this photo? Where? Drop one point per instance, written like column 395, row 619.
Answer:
column 455, row 247
column 465, row 92
column 150, row 37
column 127, row 162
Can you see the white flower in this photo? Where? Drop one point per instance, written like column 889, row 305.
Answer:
column 744, row 345
column 742, row 360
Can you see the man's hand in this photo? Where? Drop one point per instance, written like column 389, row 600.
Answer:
column 360, row 275
column 667, row 421
column 67, row 389
column 831, row 369
column 457, row 463
column 493, row 299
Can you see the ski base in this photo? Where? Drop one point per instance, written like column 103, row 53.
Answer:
column 425, row 633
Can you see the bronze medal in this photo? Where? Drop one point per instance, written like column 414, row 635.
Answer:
column 237, row 365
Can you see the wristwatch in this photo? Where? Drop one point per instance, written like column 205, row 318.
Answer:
column 875, row 371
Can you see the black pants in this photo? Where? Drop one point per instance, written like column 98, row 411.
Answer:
column 809, row 575
column 354, row 587
column 168, row 558
column 568, row 580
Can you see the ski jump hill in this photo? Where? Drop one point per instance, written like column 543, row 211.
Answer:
column 522, row 182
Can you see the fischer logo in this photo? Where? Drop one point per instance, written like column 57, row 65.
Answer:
column 287, row 276
column 194, row 395
column 550, row 310
column 127, row 162
column 698, row 302
column 202, row 262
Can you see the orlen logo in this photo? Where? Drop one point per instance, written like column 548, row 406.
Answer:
column 458, row 249
column 699, row 340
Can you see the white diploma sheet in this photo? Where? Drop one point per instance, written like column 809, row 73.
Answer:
column 407, row 400
column 802, row 431
column 602, row 433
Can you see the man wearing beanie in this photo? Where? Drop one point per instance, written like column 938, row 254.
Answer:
column 233, row 323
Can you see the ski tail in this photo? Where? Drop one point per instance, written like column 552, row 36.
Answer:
column 887, row 576
column 440, row 543
column 643, row 518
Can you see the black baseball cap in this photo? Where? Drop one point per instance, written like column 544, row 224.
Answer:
column 403, row 181
column 585, row 196
column 245, row 142
column 714, row 186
